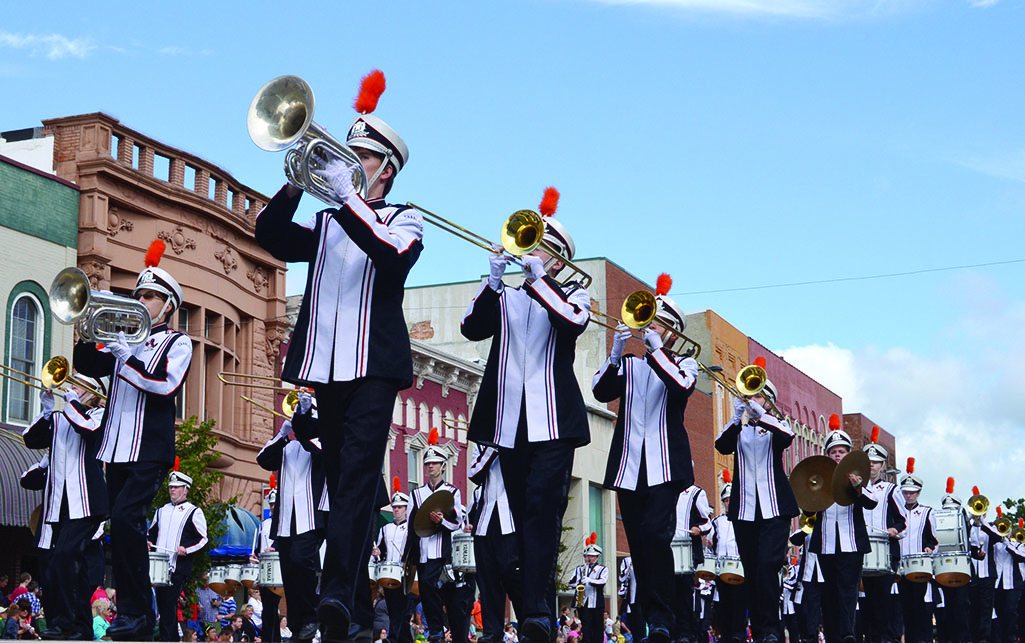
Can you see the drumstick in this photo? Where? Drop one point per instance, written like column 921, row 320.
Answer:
column 164, row 549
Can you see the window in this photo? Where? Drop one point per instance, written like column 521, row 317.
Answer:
column 26, row 352
column 596, row 508
column 415, row 469
column 183, row 320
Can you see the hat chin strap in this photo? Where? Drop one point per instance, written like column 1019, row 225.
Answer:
column 163, row 310
column 387, row 159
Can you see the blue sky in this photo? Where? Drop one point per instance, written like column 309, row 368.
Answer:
column 731, row 143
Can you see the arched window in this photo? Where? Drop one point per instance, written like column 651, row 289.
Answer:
column 396, row 414
column 425, row 425
column 410, row 413
column 25, row 346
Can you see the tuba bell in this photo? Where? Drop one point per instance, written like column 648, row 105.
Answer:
column 99, row 316
column 978, row 505
column 280, row 116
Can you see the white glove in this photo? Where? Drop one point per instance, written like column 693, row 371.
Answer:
column 498, row 262
column 739, row 406
column 619, row 342
column 305, row 402
column 690, row 366
column 652, row 340
column 339, row 176
column 286, row 428
column 120, row 349
column 533, row 267
column 70, row 396
column 756, row 411
column 46, row 400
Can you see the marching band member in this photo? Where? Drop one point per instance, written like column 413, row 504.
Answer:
column 75, row 502
column 920, row 538
column 808, row 596
column 983, row 539
column 391, row 544
column 791, row 579
column 299, row 516
column 433, row 554
column 34, row 479
column 650, row 464
column 629, row 607
column 731, row 606
column 761, row 504
column 529, row 405
column 1007, row 556
column 693, row 520
column 494, row 544
column 270, row 600
column 952, row 619
column 138, row 435
column 350, row 342
column 841, row 540
column 887, row 516
column 179, row 528
column 593, row 576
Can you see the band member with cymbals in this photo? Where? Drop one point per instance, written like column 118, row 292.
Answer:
column 650, row 464
column 592, row 576
column 841, row 541
column 138, row 435
column 178, row 529
column 529, row 406
column 920, row 538
column 730, row 603
column 350, row 342
column 761, row 504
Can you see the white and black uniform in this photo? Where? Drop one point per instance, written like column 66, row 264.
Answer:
column 880, row 608
column 761, row 506
column 809, row 590
column 1007, row 559
column 983, row 539
column 592, row 611
column 351, row 345
column 494, row 543
column 297, row 524
column 791, row 583
column 633, row 614
column 649, row 466
column 138, row 447
column 34, row 479
column 919, row 535
column 75, row 504
column 529, row 406
column 270, row 600
column 174, row 525
column 432, row 554
column 391, row 541
column 731, row 608
column 692, row 510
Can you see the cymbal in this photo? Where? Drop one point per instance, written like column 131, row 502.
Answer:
column 810, row 481
column 854, row 462
column 442, row 501
column 409, row 579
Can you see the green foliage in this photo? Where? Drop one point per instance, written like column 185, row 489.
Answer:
column 1014, row 509
column 194, row 445
column 564, row 559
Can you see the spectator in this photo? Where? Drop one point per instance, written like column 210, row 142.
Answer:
column 32, row 594
column 574, row 632
column 23, row 582
column 103, row 614
column 19, row 620
column 189, row 635
column 283, row 628
column 235, row 630
column 382, row 634
column 210, row 632
column 4, row 579
column 209, row 602
column 381, row 620
column 257, row 605
column 248, row 626
column 510, row 634
column 225, row 610
column 12, row 614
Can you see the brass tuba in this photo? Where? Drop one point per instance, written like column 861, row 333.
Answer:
column 280, row 116
column 99, row 316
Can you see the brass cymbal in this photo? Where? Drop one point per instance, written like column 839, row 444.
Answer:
column 409, row 579
column 811, row 482
column 442, row 501
column 854, row 462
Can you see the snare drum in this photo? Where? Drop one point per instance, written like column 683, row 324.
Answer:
column 218, row 575
column 463, row 559
column 877, row 561
column 952, row 569
column 233, row 578
column 372, row 573
column 917, row 568
column 270, row 572
column 389, row 575
column 730, row 570
column 250, row 574
column 683, row 559
column 706, row 570
column 159, row 569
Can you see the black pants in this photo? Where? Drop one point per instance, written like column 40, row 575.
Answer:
column 400, row 609
column 917, row 619
column 635, row 621
column 354, row 416
column 131, row 487
column 271, row 629
column 731, row 613
column 880, row 609
column 537, row 476
column 841, row 573
column 1005, row 601
column 300, row 562
column 462, row 605
column 592, row 622
column 435, row 596
column 955, row 617
column 980, row 592
column 167, row 599
column 68, row 595
column 498, row 576
column 762, row 544
column 810, row 611
column 649, row 519
column 684, row 626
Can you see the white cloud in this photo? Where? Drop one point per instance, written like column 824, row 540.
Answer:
column 958, row 412
column 983, row 3
column 51, row 46
column 174, row 50
column 801, row 9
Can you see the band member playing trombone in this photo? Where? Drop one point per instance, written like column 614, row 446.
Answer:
column 75, row 504
column 350, row 342
column 920, row 538
column 761, row 504
column 887, row 516
column 530, row 407
column 649, row 462
column 138, row 435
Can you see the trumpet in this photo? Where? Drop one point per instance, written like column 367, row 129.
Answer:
column 98, row 316
column 280, row 116
column 637, row 312
column 978, row 505
column 56, row 373
column 521, row 234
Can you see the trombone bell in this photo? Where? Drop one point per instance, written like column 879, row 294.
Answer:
column 751, row 380
column 639, row 309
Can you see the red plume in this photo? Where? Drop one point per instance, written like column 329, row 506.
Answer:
column 875, row 434
column 793, row 561
column 549, row 202
column 273, row 481
column 594, row 538
column 1021, row 523
column 155, row 252
column 911, row 465
column 760, row 361
column 396, row 485
column 950, row 485
column 1000, row 512
column 370, row 89
column 726, row 476
column 177, row 462
column 432, row 437
column 663, row 284
column 834, row 422
column 975, row 490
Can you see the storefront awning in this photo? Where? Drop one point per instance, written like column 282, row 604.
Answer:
column 16, row 504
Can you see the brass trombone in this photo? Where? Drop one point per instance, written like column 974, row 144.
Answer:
column 225, row 376
column 287, row 405
column 521, row 233
column 749, row 382
column 637, row 312
column 56, row 373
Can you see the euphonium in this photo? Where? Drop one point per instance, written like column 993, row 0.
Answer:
column 1002, row 525
column 978, row 505
column 1018, row 535
column 99, row 316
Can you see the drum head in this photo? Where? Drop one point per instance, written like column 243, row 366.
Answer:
column 731, row 579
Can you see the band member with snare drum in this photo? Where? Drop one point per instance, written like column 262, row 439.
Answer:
column 268, row 597
column 920, row 538
column 952, row 620
column 592, row 576
column 390, row 546
column 650, row 464
column 693, row 521
column 730, row 604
